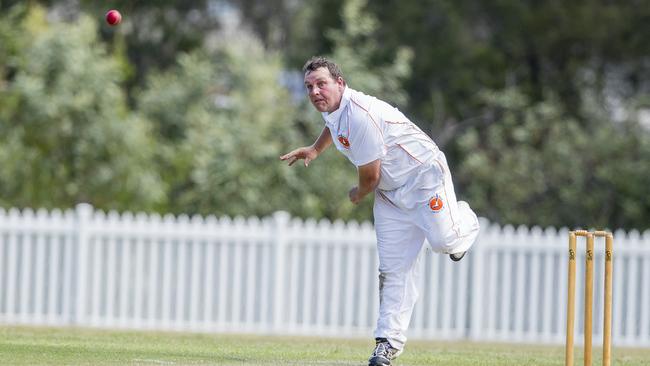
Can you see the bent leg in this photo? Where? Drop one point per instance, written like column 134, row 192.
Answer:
column 450, row 226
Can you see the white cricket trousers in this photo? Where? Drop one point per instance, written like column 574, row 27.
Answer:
column 424, row 208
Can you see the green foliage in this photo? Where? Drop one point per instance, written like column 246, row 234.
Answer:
column 12, row 41
column 154, row 33
column 161, row 113
column 355, row 51
column 66, row 134
column 223, row 121
column 540, row 47
column 537, row 166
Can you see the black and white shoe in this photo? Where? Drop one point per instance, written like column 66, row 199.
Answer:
column 383, row 353
column 457, row 256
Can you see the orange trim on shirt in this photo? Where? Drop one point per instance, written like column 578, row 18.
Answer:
column 414, row 127
column 418, row 129
column 358, row 105
column 444, row 187
column 409, row 154
column 369, row 115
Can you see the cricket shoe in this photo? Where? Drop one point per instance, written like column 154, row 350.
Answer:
column 383, row 353
column 470, row 230
column 457, row 256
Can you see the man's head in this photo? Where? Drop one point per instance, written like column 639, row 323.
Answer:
column 325, row 84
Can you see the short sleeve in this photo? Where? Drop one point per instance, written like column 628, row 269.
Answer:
column 366, row 141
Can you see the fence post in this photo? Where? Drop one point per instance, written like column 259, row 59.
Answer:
column 84, row 213
column 478, row 258
column 280, row 242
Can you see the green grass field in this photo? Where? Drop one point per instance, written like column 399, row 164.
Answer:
column 74, row 346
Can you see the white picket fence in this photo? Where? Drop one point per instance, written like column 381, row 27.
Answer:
column 279, row 275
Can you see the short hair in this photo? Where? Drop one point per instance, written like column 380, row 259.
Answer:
column 316, row 62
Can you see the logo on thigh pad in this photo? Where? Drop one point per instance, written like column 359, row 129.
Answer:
column 435, row 203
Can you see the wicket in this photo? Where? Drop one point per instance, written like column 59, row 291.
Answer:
column 589, row 292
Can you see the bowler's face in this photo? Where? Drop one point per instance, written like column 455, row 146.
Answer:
column 324, row 91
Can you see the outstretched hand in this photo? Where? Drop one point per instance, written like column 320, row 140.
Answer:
column 307, row 153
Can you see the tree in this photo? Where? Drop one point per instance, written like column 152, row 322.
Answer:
column 538, row 166
column 356, row 50
column 542, row 48
column 223, row 120
column 66, row 135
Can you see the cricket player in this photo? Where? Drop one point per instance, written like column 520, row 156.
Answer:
column 414, row 192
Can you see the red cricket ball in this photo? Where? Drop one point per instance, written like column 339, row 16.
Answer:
column 113, row 17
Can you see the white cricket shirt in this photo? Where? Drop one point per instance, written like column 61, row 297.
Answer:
column 365, row 129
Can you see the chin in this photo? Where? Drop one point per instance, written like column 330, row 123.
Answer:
column 320, row 108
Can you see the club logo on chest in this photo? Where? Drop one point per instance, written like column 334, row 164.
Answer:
column 344, row 141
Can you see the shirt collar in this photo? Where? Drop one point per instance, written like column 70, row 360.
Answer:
column 334, row 117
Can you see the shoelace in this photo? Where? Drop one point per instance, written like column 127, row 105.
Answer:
column 382, row 349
